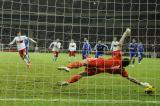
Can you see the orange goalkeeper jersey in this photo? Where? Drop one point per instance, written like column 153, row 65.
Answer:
column 111, row 65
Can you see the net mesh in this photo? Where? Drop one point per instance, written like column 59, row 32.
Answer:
column 47, row 20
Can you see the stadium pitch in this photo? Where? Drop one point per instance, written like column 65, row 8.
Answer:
column 36, row 86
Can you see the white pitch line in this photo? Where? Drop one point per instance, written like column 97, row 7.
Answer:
column 80, row 100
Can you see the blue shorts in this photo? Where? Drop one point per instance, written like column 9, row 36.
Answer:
column 140, row 54
column 85, row 54
column 97, row 54
column 133, row 54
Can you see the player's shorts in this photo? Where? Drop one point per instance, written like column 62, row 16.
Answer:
column 72, row 53
column 97, row 54
column 133, row 54
column 140, row 54
column 55, row 53
column 22, row 52
column 85, row 54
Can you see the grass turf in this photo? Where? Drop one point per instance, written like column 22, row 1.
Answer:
column 20, row 86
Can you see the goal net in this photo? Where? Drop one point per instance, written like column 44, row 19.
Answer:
column 48, row 20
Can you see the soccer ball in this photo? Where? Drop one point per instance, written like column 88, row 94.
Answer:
column 149, row 90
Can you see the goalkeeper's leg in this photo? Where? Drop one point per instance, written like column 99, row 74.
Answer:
column 77, row 77
column 73, row 79
column 72, row 65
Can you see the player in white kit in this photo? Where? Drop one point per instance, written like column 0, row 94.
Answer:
column 55, row 49
column 27, row 41
column 72, row 50
column 20, row 41
column 114, row 44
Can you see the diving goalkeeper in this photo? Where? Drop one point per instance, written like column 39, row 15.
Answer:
column 114, row 65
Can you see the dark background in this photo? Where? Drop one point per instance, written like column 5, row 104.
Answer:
column 46, row 20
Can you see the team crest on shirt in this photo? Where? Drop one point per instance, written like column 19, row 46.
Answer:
column 20, row 41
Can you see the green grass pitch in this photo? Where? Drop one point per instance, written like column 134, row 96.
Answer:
column 20, row 86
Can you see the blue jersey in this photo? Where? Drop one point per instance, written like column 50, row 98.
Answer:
column 133, row 47
column 140, row 48
column 86, row 50
column 101, row 47
column 86, row 47
column 26, row 42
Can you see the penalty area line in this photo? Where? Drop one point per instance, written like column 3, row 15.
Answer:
column 79, row 100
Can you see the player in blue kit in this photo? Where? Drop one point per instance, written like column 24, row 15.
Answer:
column 26, row 41
column 133, row 51
column 100, row 49
column 86, row 49
column 140, row 52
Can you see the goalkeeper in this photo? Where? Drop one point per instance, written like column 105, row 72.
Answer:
column 114, row 65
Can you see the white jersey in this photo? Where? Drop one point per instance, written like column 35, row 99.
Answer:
column 56, row 46
column 20, row 41
column 72, row 47
column 114, row 45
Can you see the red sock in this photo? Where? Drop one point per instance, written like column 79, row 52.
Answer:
column 75, row 64
column 74, row 78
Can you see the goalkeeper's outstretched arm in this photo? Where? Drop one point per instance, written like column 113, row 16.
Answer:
column 121, row 41
column 144, row 84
